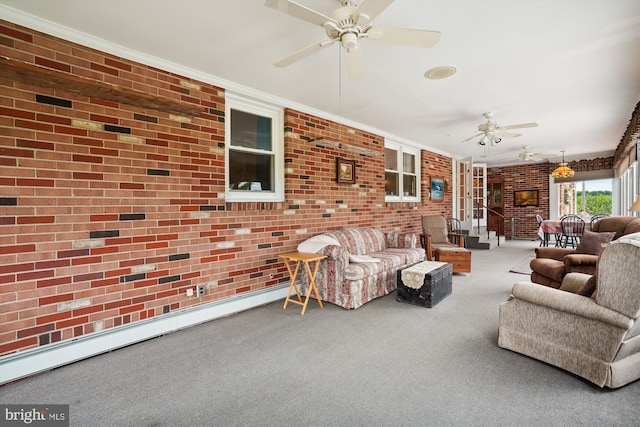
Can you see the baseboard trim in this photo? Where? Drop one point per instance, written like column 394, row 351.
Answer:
column 30, row 362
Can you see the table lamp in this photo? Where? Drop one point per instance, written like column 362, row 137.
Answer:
column 636, row 205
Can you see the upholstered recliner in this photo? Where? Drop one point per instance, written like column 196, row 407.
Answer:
column 598, row 337
column 551, row 264
column 436, row 235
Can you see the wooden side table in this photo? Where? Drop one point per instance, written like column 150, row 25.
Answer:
column 302, row 258
column 460, row 258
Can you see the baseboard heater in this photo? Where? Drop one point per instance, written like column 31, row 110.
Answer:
column 30, row 362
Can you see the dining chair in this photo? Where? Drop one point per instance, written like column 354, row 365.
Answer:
column 597, row 218
column 543, row 242
column 572, row 230
column 454, row 227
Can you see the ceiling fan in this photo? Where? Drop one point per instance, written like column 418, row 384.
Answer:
column 528, row 156
column 492, row 133
column 349, row 24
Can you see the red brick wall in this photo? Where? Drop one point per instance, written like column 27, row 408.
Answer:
column 533, row 176
column 109, row 212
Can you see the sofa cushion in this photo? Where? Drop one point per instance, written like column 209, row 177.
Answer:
column 439, row 235
column 589, row 287
column 550, row 268
column 592, row 243
column 360, row 241
column 407, row 256
column 573, row 282
column 360, row 270
column 436, row 227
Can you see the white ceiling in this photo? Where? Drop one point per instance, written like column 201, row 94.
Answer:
column 571, row 66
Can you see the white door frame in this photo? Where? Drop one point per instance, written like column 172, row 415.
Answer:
column 464, row 195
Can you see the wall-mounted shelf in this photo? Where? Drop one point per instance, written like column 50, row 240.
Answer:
column 348, row 147
column 35, row 75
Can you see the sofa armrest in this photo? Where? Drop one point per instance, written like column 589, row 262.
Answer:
column 456, row 239
column 401, row 240
column 579, row 260
column 574, row 282
column 336, row 253
column 569, row 303
column 553, row 253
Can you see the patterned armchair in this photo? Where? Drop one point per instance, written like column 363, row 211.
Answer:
column 436, row 235
column 597, row 337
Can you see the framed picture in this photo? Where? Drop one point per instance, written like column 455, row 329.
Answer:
column 525, row 198
column 345, row 171
column 437, row 188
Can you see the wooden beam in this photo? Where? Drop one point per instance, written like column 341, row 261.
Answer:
column 35, row 75
column 629, row 139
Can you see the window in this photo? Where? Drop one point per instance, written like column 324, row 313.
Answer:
column 586, row 198
column 254, row 167
column 401, row 173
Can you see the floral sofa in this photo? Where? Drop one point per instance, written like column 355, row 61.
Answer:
column 361, row 263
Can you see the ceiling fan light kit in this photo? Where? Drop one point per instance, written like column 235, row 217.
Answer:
column 491, row 133
column 347, row 25
column 528, row 156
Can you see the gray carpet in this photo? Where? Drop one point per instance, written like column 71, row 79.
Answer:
column 384, row 364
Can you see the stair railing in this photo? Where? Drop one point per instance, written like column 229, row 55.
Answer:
column 489, row 211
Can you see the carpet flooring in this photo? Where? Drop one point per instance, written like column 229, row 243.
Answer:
column 385, row 364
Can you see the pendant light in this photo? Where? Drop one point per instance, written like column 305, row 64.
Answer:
column 563, row 170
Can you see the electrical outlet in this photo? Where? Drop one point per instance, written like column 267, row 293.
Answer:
column 200, row 290
column 190, row 292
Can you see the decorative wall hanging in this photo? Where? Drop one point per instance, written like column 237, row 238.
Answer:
column 345, row 171
column 525, row 198
column 437, row 188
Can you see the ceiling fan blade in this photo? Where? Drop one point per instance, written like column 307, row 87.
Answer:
column 521, row 126
column 503, row 134
column 299, row 11
column 370, row 9
column 303, row 53
column 355, row 63
column 474, row 136
column 404, row 36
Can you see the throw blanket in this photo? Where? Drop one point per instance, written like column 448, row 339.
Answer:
column 632, row 239
column 413, row 277
column 316, row 243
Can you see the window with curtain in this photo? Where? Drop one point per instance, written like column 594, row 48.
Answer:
column 254, row 151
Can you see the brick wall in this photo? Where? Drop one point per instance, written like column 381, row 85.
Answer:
column 110, row 210
column 533, row 176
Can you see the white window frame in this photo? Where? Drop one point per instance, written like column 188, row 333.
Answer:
column 629, row 189
column 276, row 114
column 400, row 151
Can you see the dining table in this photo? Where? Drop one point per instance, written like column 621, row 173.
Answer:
column 549, row 227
